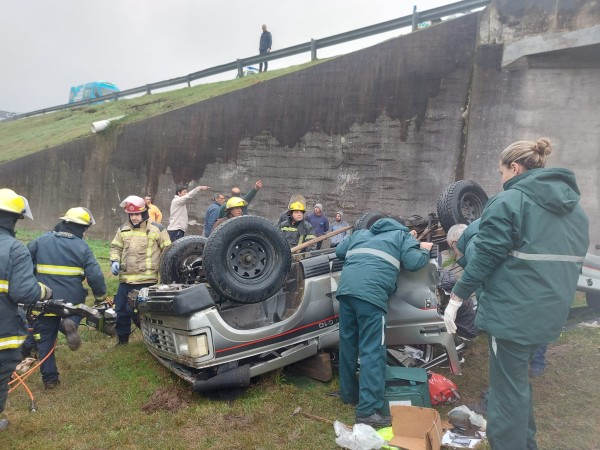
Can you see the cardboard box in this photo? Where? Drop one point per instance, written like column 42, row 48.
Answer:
column 416, row 428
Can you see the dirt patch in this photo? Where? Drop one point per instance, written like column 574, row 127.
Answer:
column 168, row 399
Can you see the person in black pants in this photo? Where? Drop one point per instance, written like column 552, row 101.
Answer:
column 264, row 46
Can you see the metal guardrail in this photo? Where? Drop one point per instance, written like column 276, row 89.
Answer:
column 312, row 47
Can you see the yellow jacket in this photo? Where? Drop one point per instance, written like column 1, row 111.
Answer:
column 138, row 252
column 154, row 213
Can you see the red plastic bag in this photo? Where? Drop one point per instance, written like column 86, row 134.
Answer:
column 441, row 389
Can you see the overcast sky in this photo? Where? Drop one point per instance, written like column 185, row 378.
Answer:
column 49, row 46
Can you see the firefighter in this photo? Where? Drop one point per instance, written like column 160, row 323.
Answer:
column 233, row 208
column 63, row 260
column 134, row 257
column 17, row 285
column 295, row 228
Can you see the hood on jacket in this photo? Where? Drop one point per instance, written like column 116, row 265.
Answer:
column 8, row 221
column 553, row 189
column 384, row 225
column 467, row 235
column 341, row 215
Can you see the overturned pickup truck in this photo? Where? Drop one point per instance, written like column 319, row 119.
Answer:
column 239, row 304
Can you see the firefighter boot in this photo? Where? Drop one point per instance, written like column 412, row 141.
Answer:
column 70, row 329
column 122, row 340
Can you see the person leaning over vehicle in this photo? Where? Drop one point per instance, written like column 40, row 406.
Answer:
column 529, row 250
column 372, row 261
column 134, row 256
column 295, row 228
column 63, row 260
column 178, row 218
column 248, row 197
column 234, row 208
column 17, row 285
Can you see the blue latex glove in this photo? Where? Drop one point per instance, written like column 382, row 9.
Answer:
column 114, row 267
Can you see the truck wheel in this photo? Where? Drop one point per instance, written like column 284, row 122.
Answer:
column 181, row 262
column 461, row 202
column 593, row 300
column 365, row 221
column 246, row 259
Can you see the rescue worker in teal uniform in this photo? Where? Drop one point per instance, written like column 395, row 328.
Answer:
column 372, row 261
column 17, row 285
column 529, row 250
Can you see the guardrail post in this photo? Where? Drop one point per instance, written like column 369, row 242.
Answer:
column 415, row 18
column 240, row 67
column 148, row 90
column 313, row 49
column 189, row 81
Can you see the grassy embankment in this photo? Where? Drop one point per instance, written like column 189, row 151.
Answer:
column 22, row 137
column 122, row 398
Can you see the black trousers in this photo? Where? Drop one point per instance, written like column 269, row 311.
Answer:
column 8, row 362
column 266, row 63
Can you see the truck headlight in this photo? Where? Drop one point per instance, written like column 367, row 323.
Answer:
column 192, row 346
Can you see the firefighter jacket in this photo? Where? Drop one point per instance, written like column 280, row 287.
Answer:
column 138, row 251
column 373, row 258
column 529, row 250
column 17, row 285
column 296, row 233
column 62, row 261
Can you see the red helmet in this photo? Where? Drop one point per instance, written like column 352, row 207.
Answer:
column 133, row 205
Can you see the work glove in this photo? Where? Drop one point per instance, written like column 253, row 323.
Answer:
column 115, row 267
column 46, row 292
column 450, row 313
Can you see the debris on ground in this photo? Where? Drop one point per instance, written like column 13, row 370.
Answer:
column 168, row 398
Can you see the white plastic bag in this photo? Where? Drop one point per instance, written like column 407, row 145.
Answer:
column 359, row 437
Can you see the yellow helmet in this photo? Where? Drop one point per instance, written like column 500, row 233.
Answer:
column 235, row 202
column 79, row 215
column 297, row 206
column 12, row 202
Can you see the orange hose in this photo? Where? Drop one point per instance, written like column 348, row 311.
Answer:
column 21, row 379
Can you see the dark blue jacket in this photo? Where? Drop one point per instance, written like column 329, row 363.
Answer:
column 212, row 214
column 17, row 285
column 319, row 223
column 265, row 41
column 62, row 261
column 373, row 258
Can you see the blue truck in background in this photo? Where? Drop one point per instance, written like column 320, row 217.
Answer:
column 92, row 90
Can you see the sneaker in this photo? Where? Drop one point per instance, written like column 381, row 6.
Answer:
column 51, row 385
column 375, row 420
column 3, row 424
column 71, row 330
column 535, row 372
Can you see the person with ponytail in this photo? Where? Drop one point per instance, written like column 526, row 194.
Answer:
column 529, row 250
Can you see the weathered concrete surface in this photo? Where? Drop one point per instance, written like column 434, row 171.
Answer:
column 384, row 128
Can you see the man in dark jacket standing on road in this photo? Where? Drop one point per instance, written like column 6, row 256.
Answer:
column 17, row 285
column 372, row 260
column 62, row 260
column 264, row 46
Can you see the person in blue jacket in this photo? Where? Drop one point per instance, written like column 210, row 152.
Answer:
column 529, row 250
column 17, row 285
column 63, row 260
column 372, row 261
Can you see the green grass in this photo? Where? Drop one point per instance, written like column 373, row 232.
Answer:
column 123, row 398
column 22, row 137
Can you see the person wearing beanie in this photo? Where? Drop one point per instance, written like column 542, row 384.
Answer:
column 338, row 223
column 319, row 222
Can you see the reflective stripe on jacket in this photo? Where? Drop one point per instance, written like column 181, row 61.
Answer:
column 373, row 259
column 138, row 251
column 17, row 285
column 296, row 233
column 63, row 261
column 528, row 251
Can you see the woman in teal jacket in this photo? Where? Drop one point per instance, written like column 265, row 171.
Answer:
column 529, row 250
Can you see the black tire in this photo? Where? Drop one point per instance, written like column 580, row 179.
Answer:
column 246, row 259
column 365, row 221
column 593, row 300
column 461, row 202
column 181, row 262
